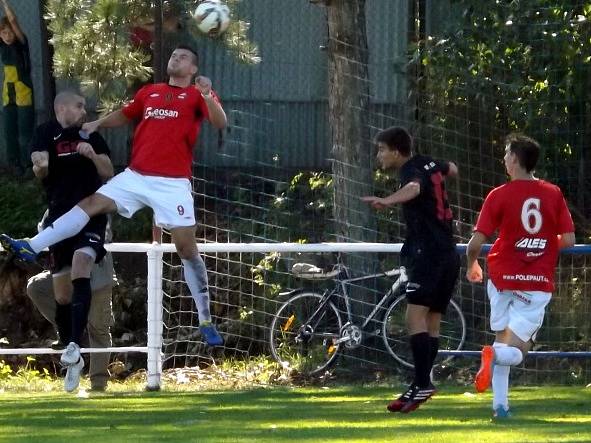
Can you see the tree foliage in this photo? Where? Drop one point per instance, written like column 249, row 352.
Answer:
column 515, row 65
column 92, row 44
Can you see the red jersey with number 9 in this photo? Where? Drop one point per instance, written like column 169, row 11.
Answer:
column 529, row 215
column 170, row 123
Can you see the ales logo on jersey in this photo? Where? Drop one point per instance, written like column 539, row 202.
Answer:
column 532, row 247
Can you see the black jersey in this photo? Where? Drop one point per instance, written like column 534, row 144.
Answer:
column 428, row 216
column 71, row 176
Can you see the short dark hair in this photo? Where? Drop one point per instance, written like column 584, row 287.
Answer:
column 5, row 23
column 66, row 96
column 525, row 148
column 192, row 51
column 396, row 138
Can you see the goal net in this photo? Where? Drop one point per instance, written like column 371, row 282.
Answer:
column 298, row 153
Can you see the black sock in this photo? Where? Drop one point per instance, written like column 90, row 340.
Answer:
column 80, row 307
column 63, row 321
column 434, row 347
column 421, row 352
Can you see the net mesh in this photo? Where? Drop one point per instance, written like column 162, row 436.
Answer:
column 460, row 78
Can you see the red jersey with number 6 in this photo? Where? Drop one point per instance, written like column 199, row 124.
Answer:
column 170, row 123
column 529, row 215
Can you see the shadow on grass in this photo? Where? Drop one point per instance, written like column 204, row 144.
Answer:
column 303, row 414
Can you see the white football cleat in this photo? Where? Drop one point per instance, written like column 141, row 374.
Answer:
column 72, row 379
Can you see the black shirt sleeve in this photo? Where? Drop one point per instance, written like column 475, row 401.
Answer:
column 412, row 173
column 443, row 166
column 99, row 144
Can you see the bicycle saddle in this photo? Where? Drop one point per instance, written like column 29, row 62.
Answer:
column 310, row 272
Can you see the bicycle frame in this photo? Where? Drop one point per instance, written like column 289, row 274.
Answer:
column 341, row 289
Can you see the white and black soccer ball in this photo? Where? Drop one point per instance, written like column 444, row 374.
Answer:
column 212, row 17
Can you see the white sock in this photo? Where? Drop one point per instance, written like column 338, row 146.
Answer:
column 500, row 386
column 507, row 355
column 66, row 226
column 196, row 277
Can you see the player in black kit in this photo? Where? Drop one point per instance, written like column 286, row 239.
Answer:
column 428, row 252
column 71, row 166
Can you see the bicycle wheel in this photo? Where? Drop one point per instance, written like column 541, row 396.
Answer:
column 451, row 336
column 304, row 339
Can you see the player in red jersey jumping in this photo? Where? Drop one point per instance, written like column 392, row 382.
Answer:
column 533, row 222
column 170, row 116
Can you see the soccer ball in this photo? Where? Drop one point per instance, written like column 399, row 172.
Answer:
column 212, row 17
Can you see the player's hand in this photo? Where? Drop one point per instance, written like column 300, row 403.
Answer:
column 204, row 85
column 375, row 202
column 474, row 273
column 90, row 127
column 40, row 159
column 86, row 150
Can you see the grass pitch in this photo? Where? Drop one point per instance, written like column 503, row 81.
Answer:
column 326, row 414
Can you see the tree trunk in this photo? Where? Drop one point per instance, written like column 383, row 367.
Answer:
column 348, row 103
column 352, row 150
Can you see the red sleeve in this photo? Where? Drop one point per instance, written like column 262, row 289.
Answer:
column 565, row 220
column 135, row 108
column 488, row 220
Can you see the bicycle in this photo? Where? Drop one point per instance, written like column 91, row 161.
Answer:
column 307, row 332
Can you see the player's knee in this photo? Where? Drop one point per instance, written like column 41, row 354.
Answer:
column 82, row 264
column 96, row 204
column 186, row 250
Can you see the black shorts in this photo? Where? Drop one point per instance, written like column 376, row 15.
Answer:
column 432, row 278
column 92, row 235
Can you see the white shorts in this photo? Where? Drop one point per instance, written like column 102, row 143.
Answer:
column 521, row 311
column 170, row 198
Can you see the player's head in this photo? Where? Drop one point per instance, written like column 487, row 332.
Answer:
column 69, row 107
column 394, row 147
column 6, row 33
column 183, row 62
column 522, row 152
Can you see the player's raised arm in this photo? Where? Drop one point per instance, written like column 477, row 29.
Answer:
column 217, row 116
column 11, row 16
column 112, row 120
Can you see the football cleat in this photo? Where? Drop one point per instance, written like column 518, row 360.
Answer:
column 71, row 355
column 20, row 248
column 211, row 335
column 398, row 404
column 418, row 396
column 484, row 375
column 72, row 380
column 500, row 413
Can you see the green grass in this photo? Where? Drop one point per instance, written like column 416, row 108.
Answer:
column 292, row 414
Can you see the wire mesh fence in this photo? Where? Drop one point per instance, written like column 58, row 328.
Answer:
column 298, row 152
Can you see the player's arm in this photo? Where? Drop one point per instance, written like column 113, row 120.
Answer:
column 406, row 193
column 452, row 170
column 102, row 162
column 112, row 120
column 217, row 116
column 566, row 240
column 11, row 16
column 40, row 160
column 473, row 269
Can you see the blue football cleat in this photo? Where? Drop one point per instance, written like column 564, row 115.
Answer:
column 211, row 335
column 20, row 248
column 500, row 413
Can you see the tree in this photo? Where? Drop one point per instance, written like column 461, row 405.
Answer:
column 514, row 66
column 92, row 43
column 348, row 104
